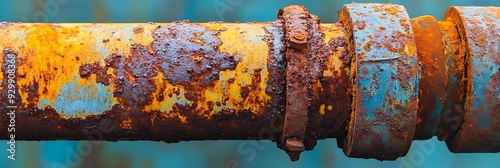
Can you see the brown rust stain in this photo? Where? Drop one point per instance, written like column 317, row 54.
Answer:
column 120, row 124
column 318, row 52
column 330, row 90
column 187, row 62
column 87, row 69
column 404, row 74
column 370, row 134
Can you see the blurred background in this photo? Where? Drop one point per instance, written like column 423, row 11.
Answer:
column 244, row 154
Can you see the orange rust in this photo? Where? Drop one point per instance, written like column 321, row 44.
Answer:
column 455, row 50
column 432, row 83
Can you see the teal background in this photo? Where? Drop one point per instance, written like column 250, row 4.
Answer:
column 245, row 154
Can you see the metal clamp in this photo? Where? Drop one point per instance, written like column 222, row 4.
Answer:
column 296, row 22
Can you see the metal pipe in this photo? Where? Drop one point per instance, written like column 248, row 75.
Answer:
column 374, row 75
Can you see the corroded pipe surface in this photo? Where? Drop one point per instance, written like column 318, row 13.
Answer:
column 375, row 81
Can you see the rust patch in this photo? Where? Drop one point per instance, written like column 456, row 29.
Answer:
column 360, row 24
column 433, row 79
column 190, row 54
column 87, row 69
column 244, row 92
column 404, row 75
column 374, row 137
column 133, row 81
column 138, row 30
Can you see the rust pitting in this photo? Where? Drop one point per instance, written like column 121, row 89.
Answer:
column 187, row 62
column 133, row 76
column 276, row 81
column 87, row 69
column 476, row 133
column 307, row 88
column 134, row 83
column 318, row 53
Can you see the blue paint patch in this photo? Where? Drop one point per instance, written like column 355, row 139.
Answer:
column 481, row 28
column 176, row 99
column 433, row 119
column 378, row 69
column 482, row 55
column 76, row 100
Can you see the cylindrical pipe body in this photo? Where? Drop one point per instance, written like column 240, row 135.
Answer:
column 169, row 82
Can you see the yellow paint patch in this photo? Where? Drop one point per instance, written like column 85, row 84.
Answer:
column 333, row 63
column 322, row 109
column 330, row 107
column 49, row 58
column 244, row 41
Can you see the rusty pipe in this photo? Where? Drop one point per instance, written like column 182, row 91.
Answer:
column 376, row 74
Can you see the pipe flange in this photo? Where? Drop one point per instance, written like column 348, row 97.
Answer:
column 479, row 29
column 385, row 75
